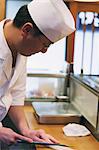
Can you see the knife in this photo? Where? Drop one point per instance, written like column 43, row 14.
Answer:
column 42, row 143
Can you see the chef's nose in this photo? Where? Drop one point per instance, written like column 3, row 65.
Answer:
column 44, row 50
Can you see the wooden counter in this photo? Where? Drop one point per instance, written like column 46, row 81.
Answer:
column 77, row 143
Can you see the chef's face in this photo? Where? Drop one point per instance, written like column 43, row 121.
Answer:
column 34, row 44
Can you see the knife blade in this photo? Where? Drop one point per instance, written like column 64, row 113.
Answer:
column 42, row 143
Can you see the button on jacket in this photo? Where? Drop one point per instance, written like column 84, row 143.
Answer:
column 12, row 80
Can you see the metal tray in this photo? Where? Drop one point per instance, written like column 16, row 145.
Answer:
column 55, row 112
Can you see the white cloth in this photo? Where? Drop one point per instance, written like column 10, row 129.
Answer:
column 12, row 86
column 73, row 129
column 52, row 17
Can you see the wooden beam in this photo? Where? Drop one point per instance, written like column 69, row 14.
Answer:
column 2, row 9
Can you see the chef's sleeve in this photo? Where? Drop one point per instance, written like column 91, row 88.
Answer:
column 18, row 91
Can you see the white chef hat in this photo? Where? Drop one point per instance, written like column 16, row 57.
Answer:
column 52, row 17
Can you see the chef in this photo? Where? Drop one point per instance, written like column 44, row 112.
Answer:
column 35, row 27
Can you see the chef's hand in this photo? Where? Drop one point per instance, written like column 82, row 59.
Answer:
column 8, row 136
column 40, row 136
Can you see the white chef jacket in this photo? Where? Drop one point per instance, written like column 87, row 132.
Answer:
column 12, row 83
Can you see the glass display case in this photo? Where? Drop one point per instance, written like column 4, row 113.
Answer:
column 45, row 85
column 84, row 95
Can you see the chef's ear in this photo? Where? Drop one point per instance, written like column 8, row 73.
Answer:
column 26, row 28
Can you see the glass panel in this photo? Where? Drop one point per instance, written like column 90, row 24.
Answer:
column 44, row 87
